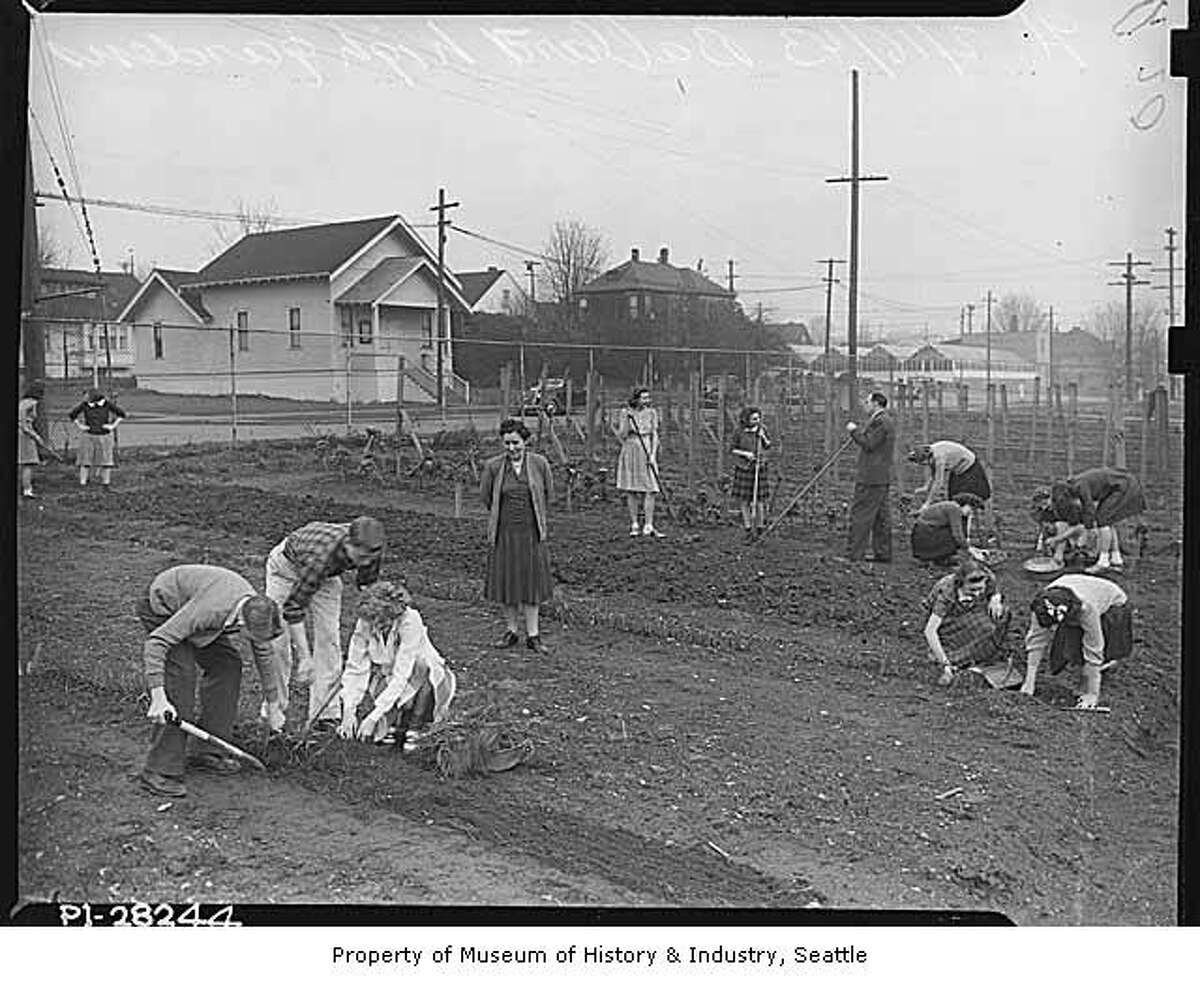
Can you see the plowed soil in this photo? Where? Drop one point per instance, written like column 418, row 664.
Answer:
column 716, row 725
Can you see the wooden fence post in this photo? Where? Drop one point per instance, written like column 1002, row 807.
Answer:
column 590, row 422
column 829, row 413
column 506, row 386
column 991, row 425
column 721, row 424
column 1148, row 399
column 1008, row 454
column 1119, row 453
column 1108, row 424
column 1163, row 431
column 1033, row 423
column 694, row 430
column 925, row 412
column 941, row 407
column 1072, row 423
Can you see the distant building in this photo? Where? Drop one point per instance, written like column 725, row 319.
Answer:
column 318, row 312
column 493, row 291
column 654, row 299
column 1076, row 356
column 81, row 350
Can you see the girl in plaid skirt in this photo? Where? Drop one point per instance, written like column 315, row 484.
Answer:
column 751, row 485
column 968, row 620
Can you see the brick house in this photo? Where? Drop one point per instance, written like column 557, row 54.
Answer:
column 653, row 298
column 317, row 312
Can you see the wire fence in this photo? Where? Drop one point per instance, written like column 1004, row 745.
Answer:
column 208, row 382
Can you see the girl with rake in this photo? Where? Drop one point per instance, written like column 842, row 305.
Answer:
column 392, row 659
column 750, row 485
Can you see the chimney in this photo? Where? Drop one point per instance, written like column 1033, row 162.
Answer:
column 634, row 255
column 492, row 269
column 663, row 255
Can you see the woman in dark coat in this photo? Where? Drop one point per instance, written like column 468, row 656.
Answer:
column 516, row 487
column 939, row 534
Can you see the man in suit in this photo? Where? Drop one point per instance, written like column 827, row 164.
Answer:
column 870, row 514
column 202, row 616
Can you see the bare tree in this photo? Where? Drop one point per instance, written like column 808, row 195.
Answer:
column 262, row 216
column 1018, row 312
column 574, row 254
column 51, row 252
column 1149, row 356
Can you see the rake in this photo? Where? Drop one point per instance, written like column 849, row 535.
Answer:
column 812, row 482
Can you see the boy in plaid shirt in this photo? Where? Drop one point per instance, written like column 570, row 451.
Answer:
column 304, row 578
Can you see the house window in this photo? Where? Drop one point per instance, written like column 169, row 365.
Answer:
column 427, row 329
column 158, row 344
column 123, row 338
column 364, row 331
column 293, row 327
column 243, row 331
column 633, row 307
column 582, row 304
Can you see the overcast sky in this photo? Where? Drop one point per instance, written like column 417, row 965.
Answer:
column 1022, row 154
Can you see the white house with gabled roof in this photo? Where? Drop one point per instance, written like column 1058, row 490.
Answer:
column 317, row 312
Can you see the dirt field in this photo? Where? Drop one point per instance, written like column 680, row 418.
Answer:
column 717, row 724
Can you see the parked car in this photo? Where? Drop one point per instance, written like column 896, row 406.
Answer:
column 550, row 396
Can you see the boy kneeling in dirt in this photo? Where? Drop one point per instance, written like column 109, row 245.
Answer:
column 391, row 658
column 202, row 616
column 1079, row 619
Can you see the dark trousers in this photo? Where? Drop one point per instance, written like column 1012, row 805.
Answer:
column 870, row 517
column 220, row 671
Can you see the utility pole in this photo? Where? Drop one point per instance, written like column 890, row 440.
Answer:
column 854, row 180
column 829, row 281
column 440, row 208
column 970, row 318
column 962, row 317
column 1127, row 278
column 731, row 276
column 1170, row 269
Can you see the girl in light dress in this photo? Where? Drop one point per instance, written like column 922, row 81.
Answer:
column 391, row 659
column 637, row 466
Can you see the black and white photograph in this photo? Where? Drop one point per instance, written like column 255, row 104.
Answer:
column 601, row 461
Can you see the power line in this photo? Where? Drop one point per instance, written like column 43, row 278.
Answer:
column 522, row 250
column 176, row 211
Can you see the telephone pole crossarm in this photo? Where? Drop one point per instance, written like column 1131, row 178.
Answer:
column 854, row 180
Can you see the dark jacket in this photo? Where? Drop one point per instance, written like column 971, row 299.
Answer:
column 541, row 488
column 876, row 440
